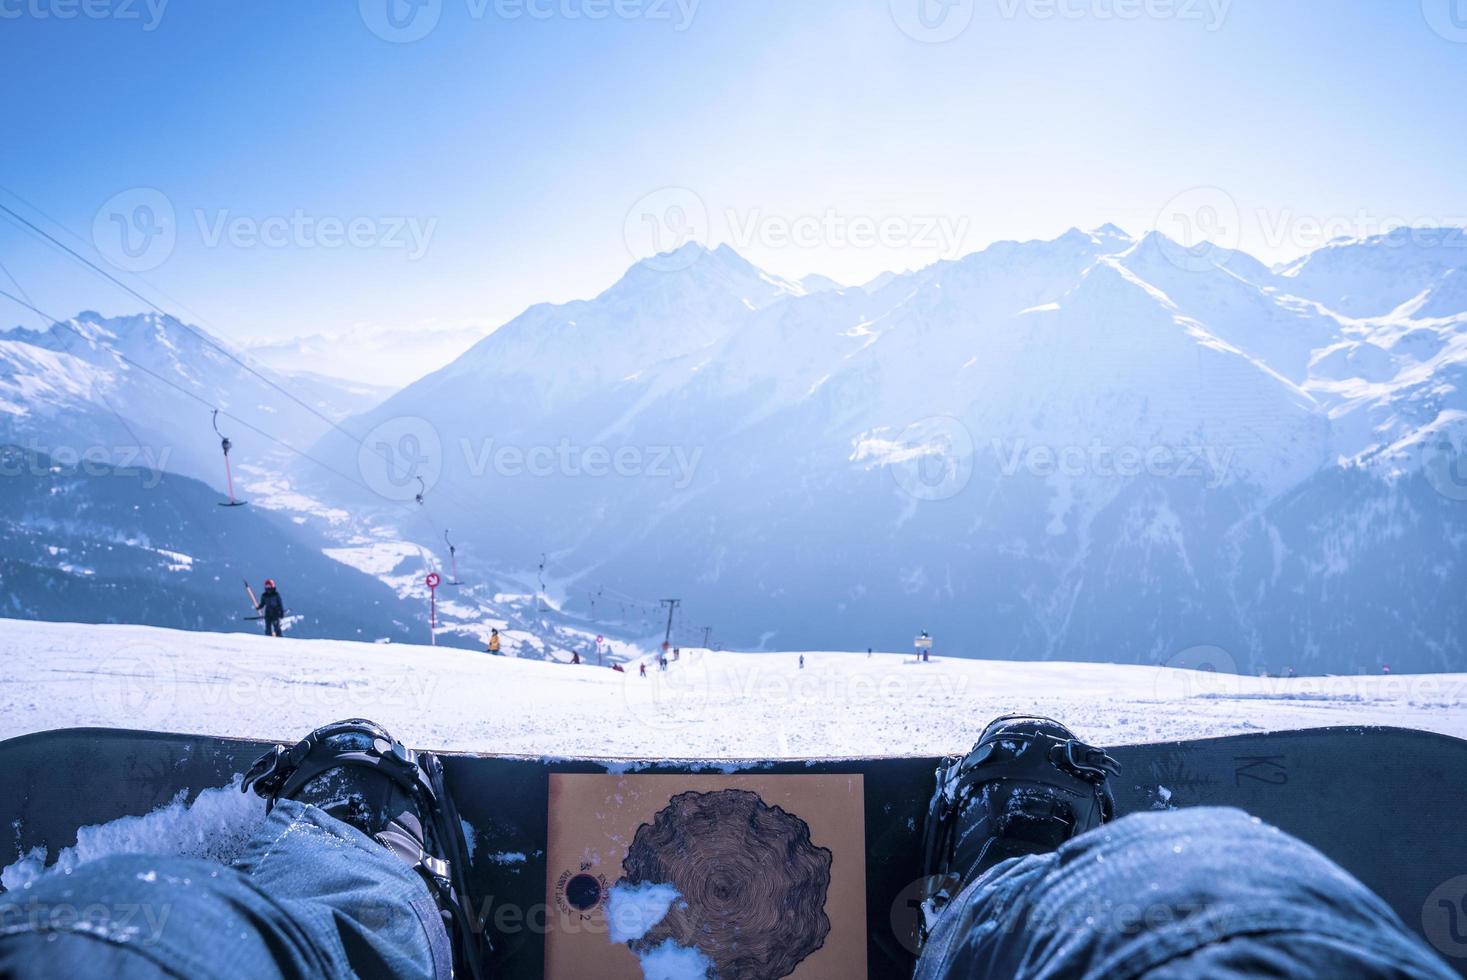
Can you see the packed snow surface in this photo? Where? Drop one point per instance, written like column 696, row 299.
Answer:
column 708, row 705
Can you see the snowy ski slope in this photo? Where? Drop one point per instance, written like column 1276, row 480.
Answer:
column 708, row 705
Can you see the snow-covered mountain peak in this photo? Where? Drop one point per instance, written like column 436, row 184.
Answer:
column 1374, row 275
column 1109, row 231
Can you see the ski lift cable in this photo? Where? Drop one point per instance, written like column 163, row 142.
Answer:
column 205, row 338
column 217, row 411
column 269, row 437
column 11, row 276
column 194, row 396
column 199, row 334
column 107, row 403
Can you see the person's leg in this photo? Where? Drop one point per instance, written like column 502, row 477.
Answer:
column 1185, row 893
column 309, row 897
column 357, row 899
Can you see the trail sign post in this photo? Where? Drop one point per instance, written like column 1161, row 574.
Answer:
column 433, row 581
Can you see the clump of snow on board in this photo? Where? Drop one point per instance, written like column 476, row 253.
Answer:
column 632, row 911
column 216, row 825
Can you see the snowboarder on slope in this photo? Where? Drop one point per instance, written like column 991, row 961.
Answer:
column 273, row 608
column 494, row 642
column 575, row 657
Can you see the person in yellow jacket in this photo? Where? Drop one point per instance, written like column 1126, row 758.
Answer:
column 494, row 642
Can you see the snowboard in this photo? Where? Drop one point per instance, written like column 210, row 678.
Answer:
column 806, row 868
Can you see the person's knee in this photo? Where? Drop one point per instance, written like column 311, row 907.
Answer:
column 1305, row 954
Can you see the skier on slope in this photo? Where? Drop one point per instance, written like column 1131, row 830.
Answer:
column 1021, row 834
column 494, row 642
column 273, row 608
column 575, row 657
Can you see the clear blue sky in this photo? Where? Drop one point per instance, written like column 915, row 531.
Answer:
column 524, row 142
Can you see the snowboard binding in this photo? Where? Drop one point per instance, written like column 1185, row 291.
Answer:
column 1028, row 786
column 358, row 773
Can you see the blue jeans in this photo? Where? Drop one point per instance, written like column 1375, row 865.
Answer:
column 1189, row 893
column 309, row 897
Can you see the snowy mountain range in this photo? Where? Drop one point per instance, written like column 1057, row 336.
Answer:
column 1096, row 447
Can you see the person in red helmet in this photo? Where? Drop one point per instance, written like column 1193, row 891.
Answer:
column 273, row 608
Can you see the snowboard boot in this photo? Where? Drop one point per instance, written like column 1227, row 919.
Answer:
column 1027, row 787
column 358, row 773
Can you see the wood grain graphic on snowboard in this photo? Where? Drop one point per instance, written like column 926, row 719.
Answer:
column 747, row 877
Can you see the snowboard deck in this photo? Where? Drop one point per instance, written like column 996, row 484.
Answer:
column 553, row 837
